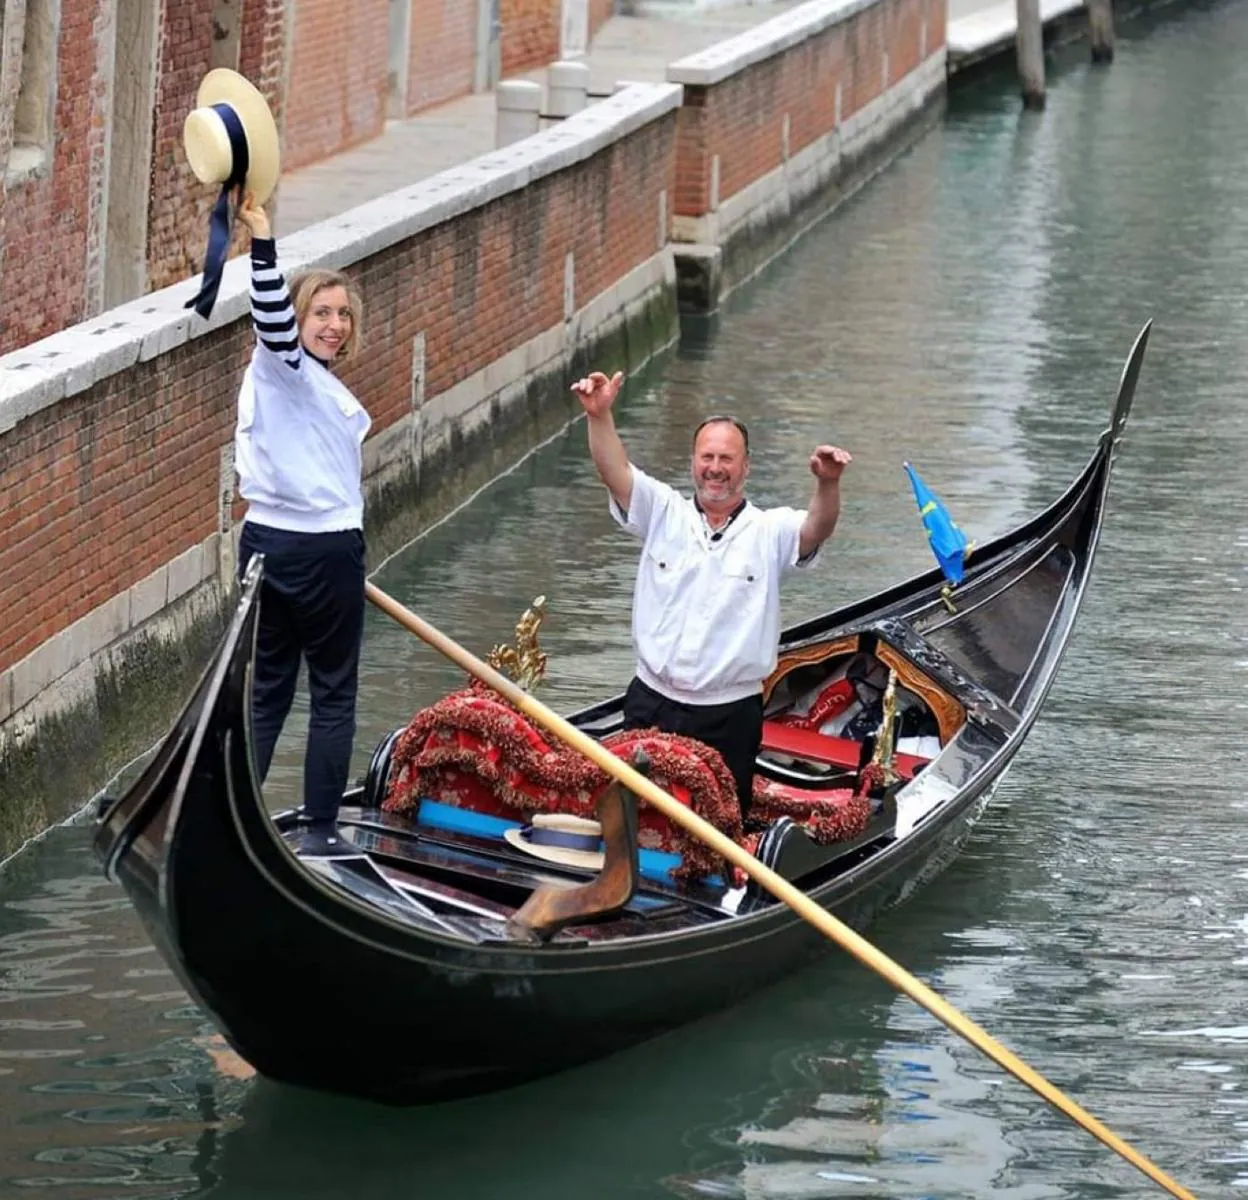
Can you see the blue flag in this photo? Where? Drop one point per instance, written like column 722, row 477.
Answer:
column 949, row 543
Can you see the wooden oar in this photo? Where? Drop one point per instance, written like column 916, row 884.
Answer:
column 784, row 891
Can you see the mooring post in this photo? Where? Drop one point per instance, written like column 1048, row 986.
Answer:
column 1029, row 42
column 1101, row 30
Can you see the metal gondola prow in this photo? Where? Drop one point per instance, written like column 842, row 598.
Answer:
column 1126, row 385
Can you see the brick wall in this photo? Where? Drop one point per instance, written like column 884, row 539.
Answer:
column 443, row 52
column 178, row 217
column 262, row 50
column 130, row 460
column 530, row 35
column 336, row 90
column 133, row 458
column 46, row 219
column 740, row 120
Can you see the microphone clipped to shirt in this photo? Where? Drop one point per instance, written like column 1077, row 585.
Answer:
column 718, row 534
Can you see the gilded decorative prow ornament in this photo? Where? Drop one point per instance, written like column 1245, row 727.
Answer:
column 524, row 663
column 886, row 738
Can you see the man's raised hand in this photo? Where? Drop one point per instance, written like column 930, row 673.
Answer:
column 828, row 462
column 597, row 393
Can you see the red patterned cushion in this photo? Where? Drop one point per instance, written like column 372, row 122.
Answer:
column 474, row 750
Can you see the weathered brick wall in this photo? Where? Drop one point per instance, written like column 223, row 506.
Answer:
column 443, row 52
column 336, row 90
column 493, row 279
column 46, row 220
column 262, row 50
column 178, row 216
column 106, row 486
column 530, row 35
column 740, row 120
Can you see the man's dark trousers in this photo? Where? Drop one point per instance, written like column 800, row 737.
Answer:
column 734, row 729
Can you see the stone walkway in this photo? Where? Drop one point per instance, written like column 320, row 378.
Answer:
column 979, row 28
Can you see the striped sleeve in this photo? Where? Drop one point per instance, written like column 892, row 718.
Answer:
column 271, row 309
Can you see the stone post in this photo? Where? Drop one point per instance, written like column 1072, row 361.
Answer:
column 567, row 89
column 519, row 103
column 1029, row 44
column 1101, row 30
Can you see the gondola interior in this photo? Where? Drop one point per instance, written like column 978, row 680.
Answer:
column 837, row 739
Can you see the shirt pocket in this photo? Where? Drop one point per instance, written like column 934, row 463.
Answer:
column 742, row 567
column 665, row 567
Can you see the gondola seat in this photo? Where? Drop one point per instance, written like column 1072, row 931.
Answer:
column 472, row 750
column 809, row 744
column 788, row 847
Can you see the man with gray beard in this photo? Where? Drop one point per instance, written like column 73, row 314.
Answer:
column 706, row 606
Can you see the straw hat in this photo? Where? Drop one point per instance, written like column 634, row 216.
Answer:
column 560, row 838
column 207, row 140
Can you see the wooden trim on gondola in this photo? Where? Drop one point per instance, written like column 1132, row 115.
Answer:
column 950, row 713
column 807, row 656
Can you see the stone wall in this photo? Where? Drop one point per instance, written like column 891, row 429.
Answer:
column 779, row 123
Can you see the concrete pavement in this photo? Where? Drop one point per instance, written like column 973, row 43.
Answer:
column 979, row 29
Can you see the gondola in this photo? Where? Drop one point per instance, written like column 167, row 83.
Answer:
column 416, row 968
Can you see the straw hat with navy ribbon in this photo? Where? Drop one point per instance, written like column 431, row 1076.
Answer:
column 561, row 838
column 230, row 139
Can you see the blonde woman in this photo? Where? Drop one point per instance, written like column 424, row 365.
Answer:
column 297, row 451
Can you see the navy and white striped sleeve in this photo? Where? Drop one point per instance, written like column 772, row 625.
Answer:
column 271, row 309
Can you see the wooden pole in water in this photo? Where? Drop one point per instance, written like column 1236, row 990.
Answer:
column 1101, row 30
column 1029, row 43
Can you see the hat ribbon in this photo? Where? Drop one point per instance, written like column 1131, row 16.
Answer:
column 221, row 222
column 541, row 836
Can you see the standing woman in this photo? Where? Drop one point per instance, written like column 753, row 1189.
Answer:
column 297, row 451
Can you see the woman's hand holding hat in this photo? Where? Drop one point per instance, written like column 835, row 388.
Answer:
column 254, row 217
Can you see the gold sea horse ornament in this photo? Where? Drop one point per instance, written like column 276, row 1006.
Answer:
column 524, row 663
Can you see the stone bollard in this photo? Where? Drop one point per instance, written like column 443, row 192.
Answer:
column 567, row 89
column 519, row 104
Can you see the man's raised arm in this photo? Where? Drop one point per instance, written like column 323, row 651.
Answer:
column 826, row 465
column 597, row 394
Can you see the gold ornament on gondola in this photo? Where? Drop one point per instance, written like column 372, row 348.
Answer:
column 524, row 662
column 885, row 740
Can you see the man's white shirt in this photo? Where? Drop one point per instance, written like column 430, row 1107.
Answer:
column 706, row 613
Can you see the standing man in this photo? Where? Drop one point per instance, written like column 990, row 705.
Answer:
column 706, row 609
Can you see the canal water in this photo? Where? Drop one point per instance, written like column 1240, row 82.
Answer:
column 970, row 310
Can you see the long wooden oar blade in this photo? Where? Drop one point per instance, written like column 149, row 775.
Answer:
column 784, row 891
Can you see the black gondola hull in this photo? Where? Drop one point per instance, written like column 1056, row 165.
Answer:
column 315, row 981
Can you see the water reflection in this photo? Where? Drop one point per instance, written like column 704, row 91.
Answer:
column 106, row 1067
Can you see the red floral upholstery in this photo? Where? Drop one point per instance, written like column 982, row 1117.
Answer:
column 473, row 750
